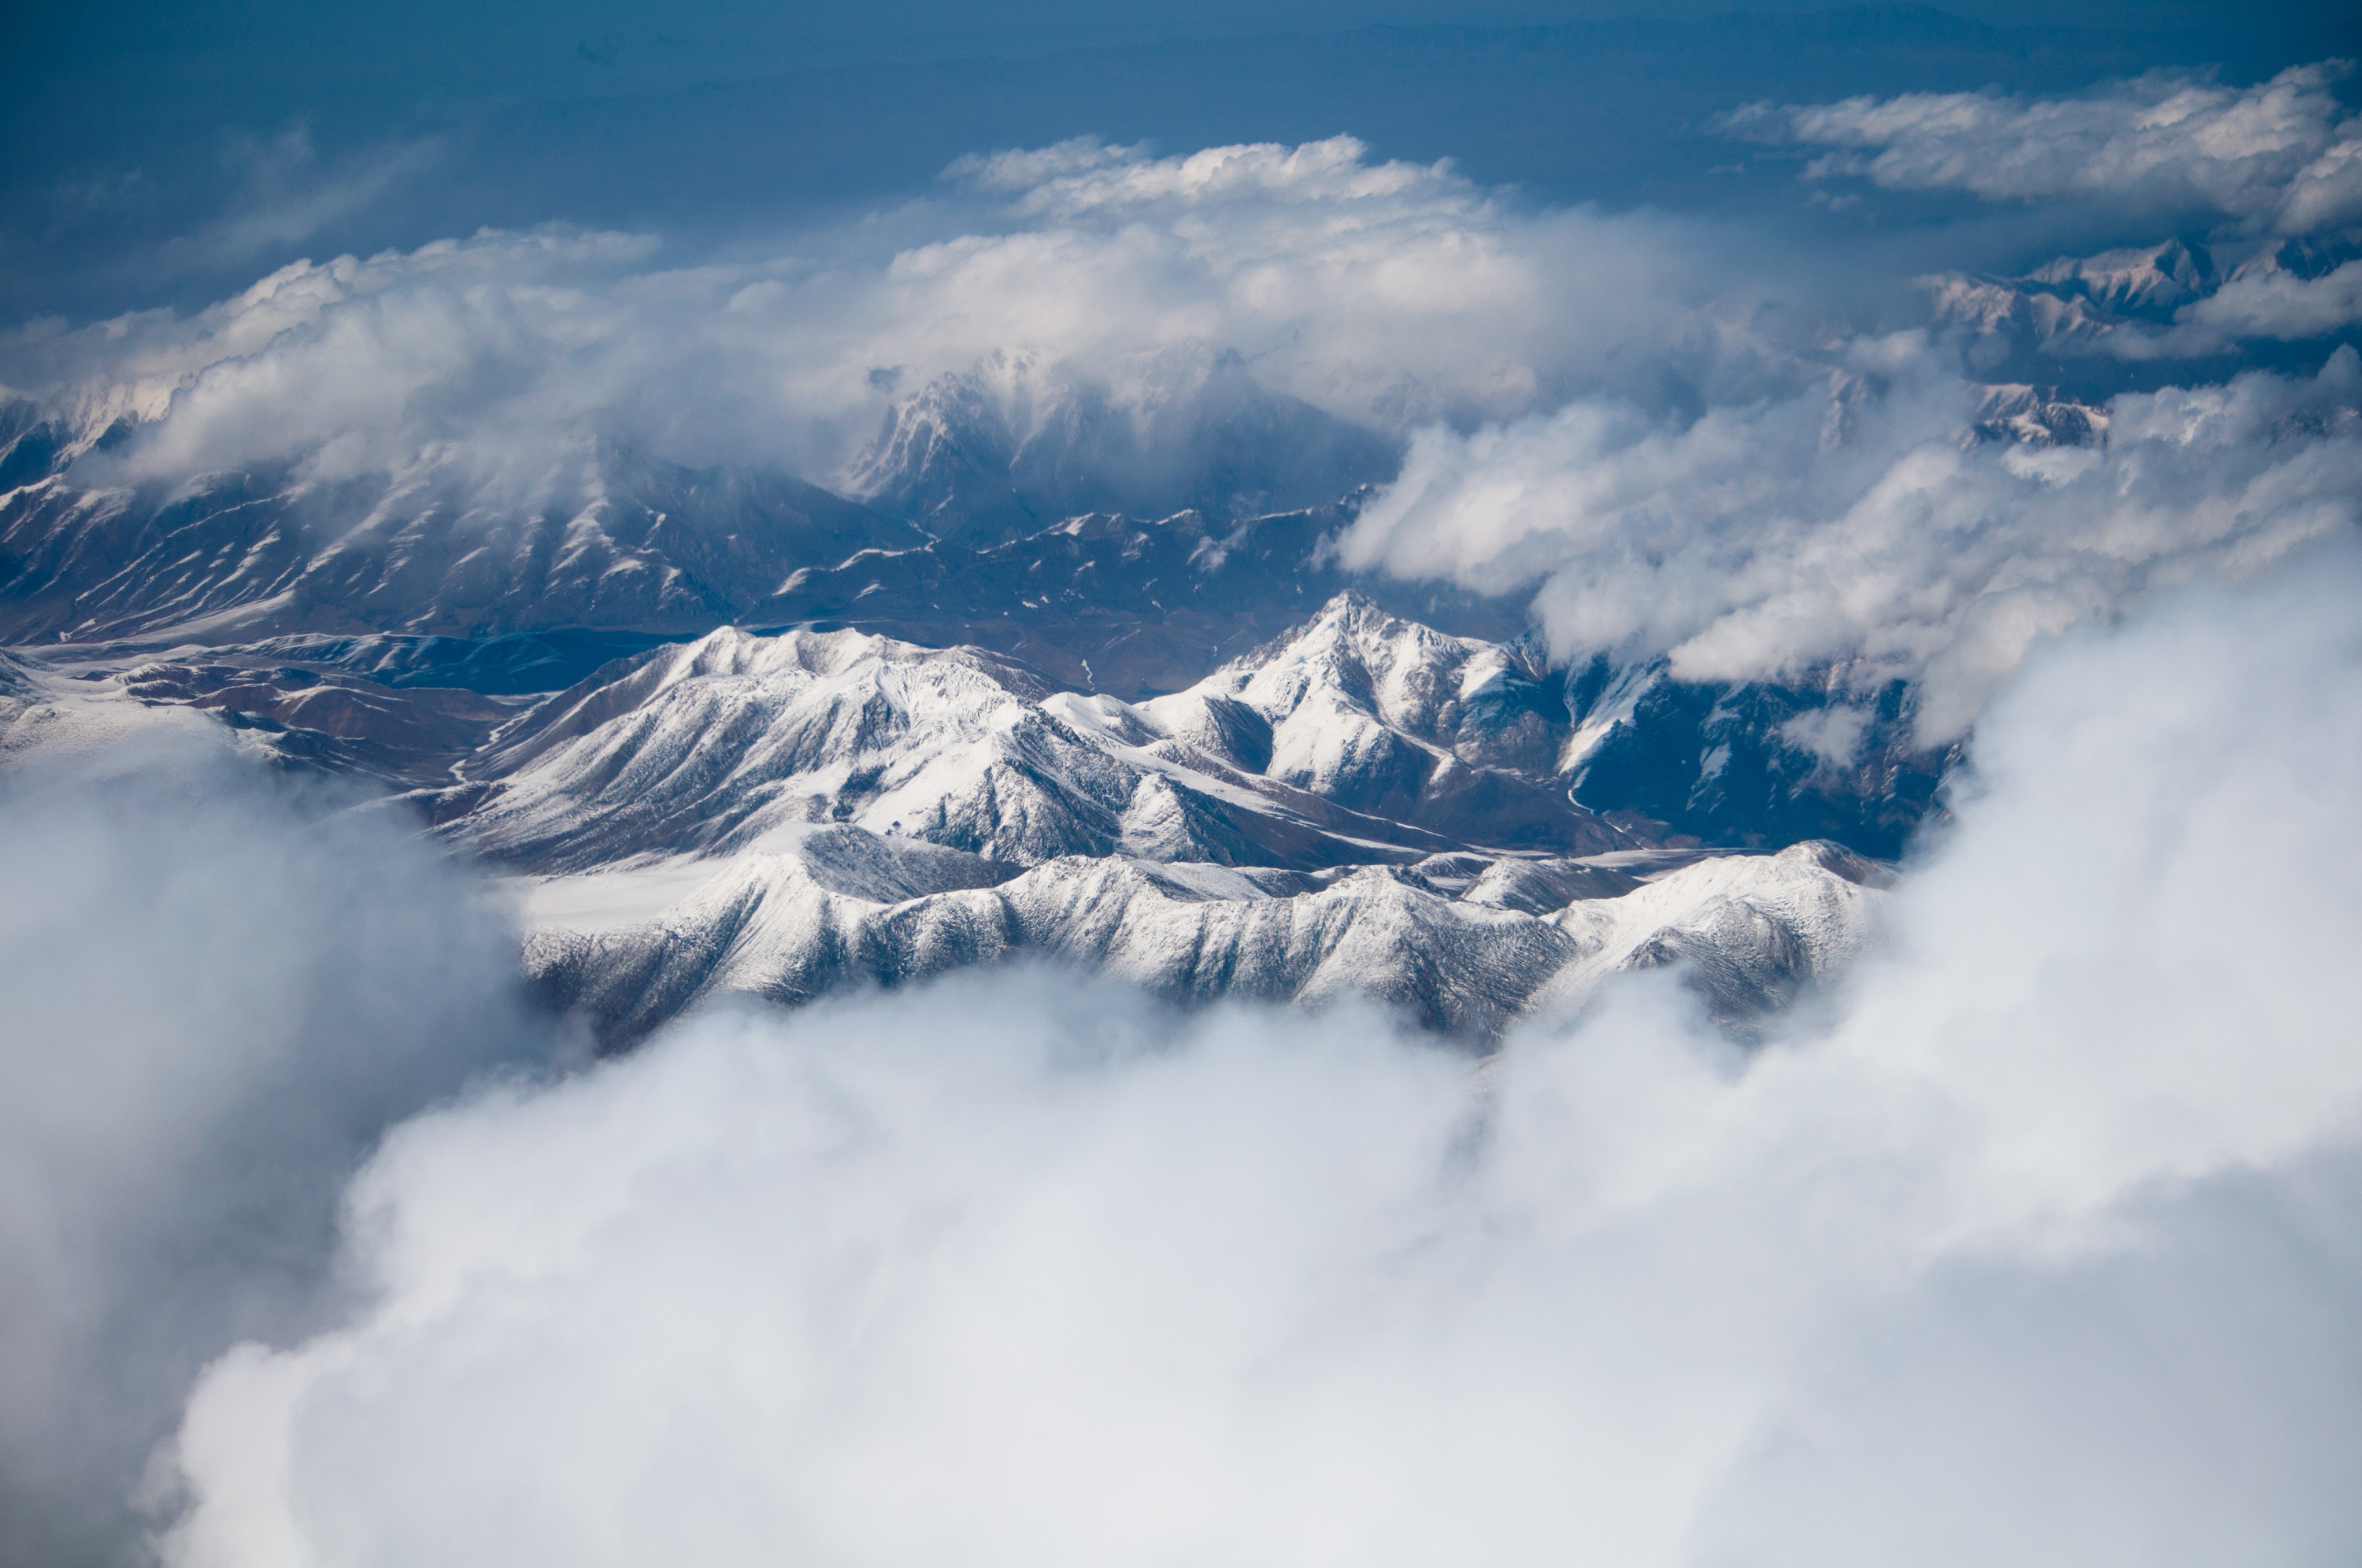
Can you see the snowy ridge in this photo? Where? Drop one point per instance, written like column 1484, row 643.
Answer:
column 706, row 744
column 1364, row 805
column 2121, row 302
column 1364, row 737
column 805, row 913
column 783, row 816
column 2070, row 303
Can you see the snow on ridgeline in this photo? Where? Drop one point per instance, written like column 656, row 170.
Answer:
column 1365, row 805
column 1456, row 943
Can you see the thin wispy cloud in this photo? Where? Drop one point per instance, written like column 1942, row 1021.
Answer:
column 287, row 193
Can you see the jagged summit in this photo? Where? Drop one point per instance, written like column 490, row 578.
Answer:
column 1363, row 804
column 1308, row 758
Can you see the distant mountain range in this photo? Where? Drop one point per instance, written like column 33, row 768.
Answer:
column 740, row 734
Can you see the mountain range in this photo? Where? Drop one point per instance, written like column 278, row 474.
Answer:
column 726, row 732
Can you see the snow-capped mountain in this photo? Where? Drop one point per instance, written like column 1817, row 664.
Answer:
column 2145, row 280
column 2073, row 312
column 1134, row 608
column 2037, row 417
column 2067, row 304
column 1363, row 804
column 1366, row 804
column 1462, row 943
column 1360, row 737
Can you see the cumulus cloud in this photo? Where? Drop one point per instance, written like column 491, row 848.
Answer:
column 2284, row 154
column 2040, row 1249
column 1859, row 527
column 218, row 993
column 1381, row 292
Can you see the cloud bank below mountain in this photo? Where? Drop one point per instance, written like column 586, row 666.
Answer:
column 219, row 994
column 2030, row 1249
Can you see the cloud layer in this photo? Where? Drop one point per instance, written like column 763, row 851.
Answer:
column 1383, row 292
column 2263, row 305
column 2038, row 1249
column 218, row 996
column 2284, row 155
column 1857, row 527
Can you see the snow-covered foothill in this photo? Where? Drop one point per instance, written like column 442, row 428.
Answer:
column 1464, row 946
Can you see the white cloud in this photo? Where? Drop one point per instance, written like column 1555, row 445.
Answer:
column 218, row 993
column 2283, row 153
column 2040, row 1250
column 1383, row 292
column 1741, row 534
column 1858, row 529
column 373, row 360
column 2260, row 304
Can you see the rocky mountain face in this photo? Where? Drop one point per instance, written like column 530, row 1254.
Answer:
column 601, row 538
column 1752, row 764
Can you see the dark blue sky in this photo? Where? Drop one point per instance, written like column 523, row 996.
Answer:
column 168, row 153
